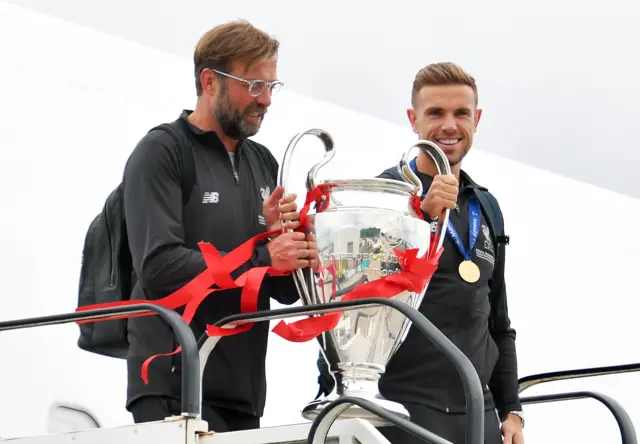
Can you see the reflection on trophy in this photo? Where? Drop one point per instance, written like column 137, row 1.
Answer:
column 360, row 226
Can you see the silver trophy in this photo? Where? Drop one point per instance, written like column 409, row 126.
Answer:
column 360, row 224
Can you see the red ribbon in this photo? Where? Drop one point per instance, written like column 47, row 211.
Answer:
column 416, row 273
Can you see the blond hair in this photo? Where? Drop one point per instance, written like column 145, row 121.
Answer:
column 229, row 42
column 442, row 73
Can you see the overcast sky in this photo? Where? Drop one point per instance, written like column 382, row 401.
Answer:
column 558, row 80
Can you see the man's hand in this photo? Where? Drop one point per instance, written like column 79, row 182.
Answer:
column 277, row 208
column 289, row 251
column 314, row 256
column 512, row 430
column 442, row 194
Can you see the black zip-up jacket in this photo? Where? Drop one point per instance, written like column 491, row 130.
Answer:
column 419, row 372
column 224, row 209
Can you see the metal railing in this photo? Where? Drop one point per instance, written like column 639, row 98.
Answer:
column 529, row 381
column 194, row 355
column 190, row 358
column 625, row 424
column 322, row 424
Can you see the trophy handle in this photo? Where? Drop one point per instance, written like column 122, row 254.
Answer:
column 328, row 143
column 304, row 284
column 443, row 167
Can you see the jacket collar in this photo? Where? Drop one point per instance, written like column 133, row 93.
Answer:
column 208, row 138
column 468, row 182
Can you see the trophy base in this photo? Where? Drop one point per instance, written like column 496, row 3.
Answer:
column 313, row 409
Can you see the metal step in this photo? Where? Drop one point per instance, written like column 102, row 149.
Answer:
column 181, row 430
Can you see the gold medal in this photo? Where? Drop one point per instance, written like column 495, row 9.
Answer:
column 469, row 271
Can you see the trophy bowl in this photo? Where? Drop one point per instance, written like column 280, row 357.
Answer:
column 359, row 226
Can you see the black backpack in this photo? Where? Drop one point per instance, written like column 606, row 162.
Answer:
column 106, row 272
column 492, row 213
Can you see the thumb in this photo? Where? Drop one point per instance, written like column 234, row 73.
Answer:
column 275, row 196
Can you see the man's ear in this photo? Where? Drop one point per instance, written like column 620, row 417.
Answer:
column 412, row 119
column 209, row 83
column 477, row 118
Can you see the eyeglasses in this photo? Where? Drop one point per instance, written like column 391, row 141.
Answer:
column 256, row 87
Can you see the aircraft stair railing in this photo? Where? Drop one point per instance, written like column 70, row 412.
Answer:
column 627, row 430
column 322, row 424
column 193, row 361
column 190, row 357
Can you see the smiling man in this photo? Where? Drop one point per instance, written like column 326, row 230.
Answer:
column 466, row 298
column 200, row 178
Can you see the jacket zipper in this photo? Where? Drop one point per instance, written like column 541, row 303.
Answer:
column 233, row 163
column 235, row 175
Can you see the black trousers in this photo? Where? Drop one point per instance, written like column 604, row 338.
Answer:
column 156, row 408
column 450, row 426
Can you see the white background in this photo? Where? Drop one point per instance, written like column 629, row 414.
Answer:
column 559, row 77
column 73, row 104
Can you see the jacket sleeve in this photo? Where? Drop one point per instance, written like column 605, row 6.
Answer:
column 504, row 380
column 152, row 195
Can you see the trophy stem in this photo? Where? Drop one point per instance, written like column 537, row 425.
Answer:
column 357, row 380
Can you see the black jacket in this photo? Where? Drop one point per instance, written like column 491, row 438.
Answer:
column 224, row 209
column 419, row 372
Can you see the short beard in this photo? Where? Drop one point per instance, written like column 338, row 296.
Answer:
column 231, row 121
column 459, row 159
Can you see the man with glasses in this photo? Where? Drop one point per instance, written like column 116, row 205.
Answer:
column 200, row 178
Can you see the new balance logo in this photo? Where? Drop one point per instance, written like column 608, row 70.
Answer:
column 210, row 197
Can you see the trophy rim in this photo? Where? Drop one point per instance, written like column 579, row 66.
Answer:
column 371, row 184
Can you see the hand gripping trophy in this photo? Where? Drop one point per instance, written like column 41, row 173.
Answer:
column 372, row 242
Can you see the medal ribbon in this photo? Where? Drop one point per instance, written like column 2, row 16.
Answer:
column 474, row 230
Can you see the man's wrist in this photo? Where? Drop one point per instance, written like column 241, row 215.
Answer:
column 517, row 415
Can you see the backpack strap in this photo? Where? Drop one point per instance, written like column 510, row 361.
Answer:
column 494, row 215
column 495, row 220
column 188, row 163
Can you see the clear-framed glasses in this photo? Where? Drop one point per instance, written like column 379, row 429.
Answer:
column 256, row 87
